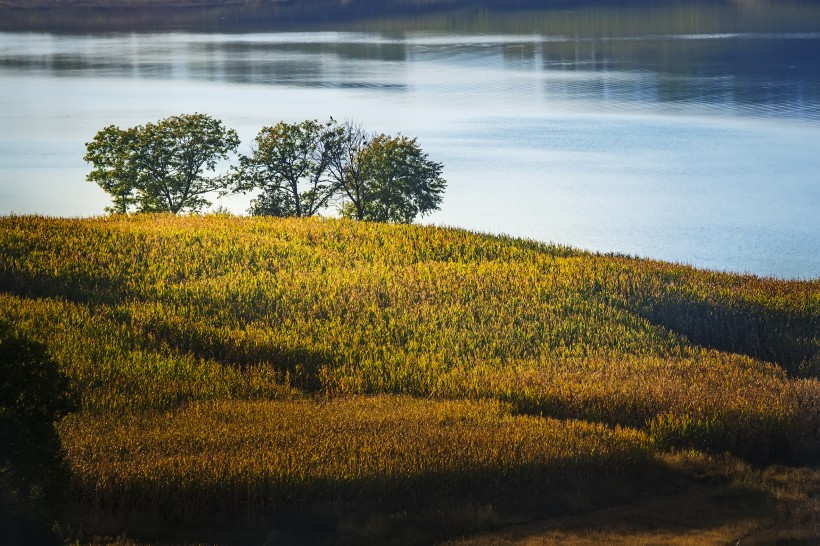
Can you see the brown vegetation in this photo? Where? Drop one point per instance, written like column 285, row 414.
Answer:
column 392, row 377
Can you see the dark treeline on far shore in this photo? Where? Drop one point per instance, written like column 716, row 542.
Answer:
column 239, row 15
column 205, row 15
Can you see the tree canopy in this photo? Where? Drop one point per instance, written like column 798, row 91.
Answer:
column 159, row 167
column 399, row 181
column 289, row 164
column 348, row 167
column 301, row 169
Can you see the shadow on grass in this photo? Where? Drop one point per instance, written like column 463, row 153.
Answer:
column 791, row 340
column 719, row 502
column 418, row 510
column 75, row 286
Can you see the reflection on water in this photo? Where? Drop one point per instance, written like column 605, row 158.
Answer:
column 681, row 133
column 745, row 74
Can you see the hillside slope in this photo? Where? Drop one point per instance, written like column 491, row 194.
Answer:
column 238, row 366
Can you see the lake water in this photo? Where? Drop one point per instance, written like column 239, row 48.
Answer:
column 685, row 133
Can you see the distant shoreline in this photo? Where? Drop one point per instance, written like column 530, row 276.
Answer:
column 306, row 6
column 222, row 15
column 335, row 5
column 60, row 5
column 239, row 15
column 135, row 15
column 65, row 5
column 206, row 15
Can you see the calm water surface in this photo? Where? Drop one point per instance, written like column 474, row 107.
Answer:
column 689, row 134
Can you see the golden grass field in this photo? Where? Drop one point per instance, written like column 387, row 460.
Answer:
column 347, row 381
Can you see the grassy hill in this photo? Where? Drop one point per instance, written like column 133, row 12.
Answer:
column 345, row 381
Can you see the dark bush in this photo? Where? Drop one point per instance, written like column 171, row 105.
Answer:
column 33, row 395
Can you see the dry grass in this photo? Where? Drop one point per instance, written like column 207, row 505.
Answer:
column 245, row 459
column 165, row 325
column 208, row 308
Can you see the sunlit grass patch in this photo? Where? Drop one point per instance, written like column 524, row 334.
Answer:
column 245, row 458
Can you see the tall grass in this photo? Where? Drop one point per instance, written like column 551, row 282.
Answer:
column 157, row 319
column 241, row 457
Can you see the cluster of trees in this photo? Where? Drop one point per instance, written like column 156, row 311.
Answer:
column 302, row 169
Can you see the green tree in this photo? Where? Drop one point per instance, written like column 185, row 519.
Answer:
column 347, row 166
column 396, row 183
column 159, row 167
column 289, row 164
column 34, row 394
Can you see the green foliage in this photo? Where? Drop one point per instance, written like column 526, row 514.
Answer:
column 301, row 169
column 382, row 178
column 158, row 167
column 115, row 155
column 289, row 163
column 400, row 182
column 347, row 166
